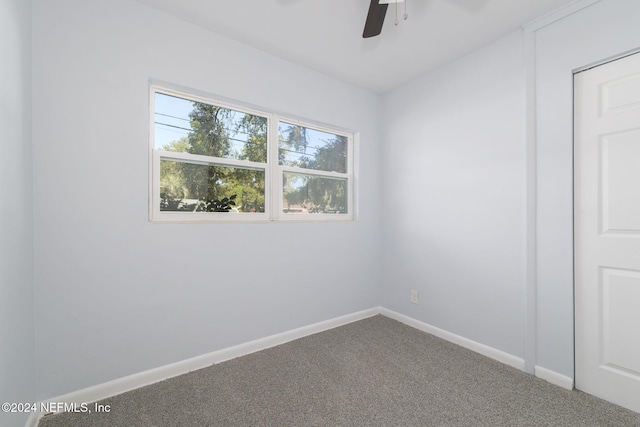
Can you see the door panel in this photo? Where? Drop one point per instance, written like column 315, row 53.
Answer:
column 620, row 176
column 607, row 231
column 620, row 296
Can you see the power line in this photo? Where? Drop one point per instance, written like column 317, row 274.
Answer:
column 244, row 142
column 172, row 126
column 173, row 117
column 240, row 140
column 191, row 129
column 235, row 131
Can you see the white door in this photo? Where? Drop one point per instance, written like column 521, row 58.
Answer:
column 607, row 231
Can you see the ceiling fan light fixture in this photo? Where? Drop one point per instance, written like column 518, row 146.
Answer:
column 377, row 12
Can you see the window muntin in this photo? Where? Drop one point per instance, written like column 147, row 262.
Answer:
column 309, row 148
column 205, row 152
column 315, row 171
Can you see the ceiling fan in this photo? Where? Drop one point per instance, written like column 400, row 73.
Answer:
column 375, row 17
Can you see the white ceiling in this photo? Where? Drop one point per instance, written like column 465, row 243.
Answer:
column 326, row 35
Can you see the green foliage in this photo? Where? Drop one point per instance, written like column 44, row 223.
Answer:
column 330, row 157
column 223, row 205
column 209, row 135
column 255, row 129
column 169, row 203
column 316, row 194
column 185, row 186
column 224, row 133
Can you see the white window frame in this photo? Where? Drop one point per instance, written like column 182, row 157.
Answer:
column 281, row 169
column 274, row 172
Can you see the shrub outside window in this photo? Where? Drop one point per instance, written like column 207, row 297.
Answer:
column 212, row 161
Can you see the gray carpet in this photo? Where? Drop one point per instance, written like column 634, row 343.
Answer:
column 375, row 372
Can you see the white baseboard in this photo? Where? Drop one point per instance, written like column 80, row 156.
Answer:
column 554, row 377
column 501, row 356
column 485, row 350
column 131, row 382
column 33, row 420
column 141, row 379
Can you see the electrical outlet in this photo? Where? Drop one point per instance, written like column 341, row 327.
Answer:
column 414, row 296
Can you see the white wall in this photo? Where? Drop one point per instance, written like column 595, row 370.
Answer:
column 455, row 163
column 604, row 30
column 115, row 294
column 454, row 197
column 17, row 383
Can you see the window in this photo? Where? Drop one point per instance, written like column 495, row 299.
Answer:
column 212, row 161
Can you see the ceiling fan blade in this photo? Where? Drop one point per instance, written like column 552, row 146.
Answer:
column 375, row 19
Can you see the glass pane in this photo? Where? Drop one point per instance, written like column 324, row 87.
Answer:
column 303, row 194
column 194, row 127
column 311, row 149
column 206, row 188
